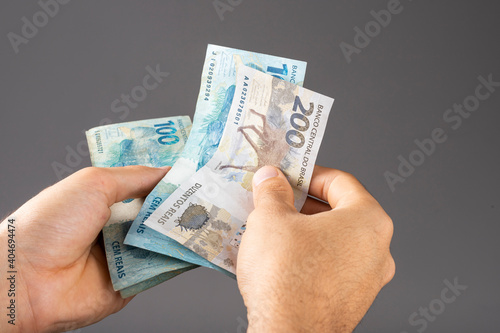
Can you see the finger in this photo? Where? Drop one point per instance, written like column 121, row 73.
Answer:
column 70, row 214
column 337, row 187
column 271, row 190
column 120, row 183
column 314, row 206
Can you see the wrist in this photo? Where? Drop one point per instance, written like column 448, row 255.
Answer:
column 284, row 307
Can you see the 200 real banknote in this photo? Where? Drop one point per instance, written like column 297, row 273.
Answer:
column 214, row 102
column 271, row 122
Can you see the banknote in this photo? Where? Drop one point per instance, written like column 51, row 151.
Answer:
column 155, row 143
column 271, row 122
column 218, row 82
column 146, row 284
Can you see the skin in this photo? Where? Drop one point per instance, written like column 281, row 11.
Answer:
column 63, row 281
column 315, row 271
column 319, row 273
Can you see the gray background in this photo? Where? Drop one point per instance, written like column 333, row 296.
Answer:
column 394, row 91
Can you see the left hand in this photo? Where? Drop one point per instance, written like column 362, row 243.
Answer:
column 63, row 281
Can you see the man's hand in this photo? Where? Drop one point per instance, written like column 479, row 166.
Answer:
column 318, row 271
column 63, row 281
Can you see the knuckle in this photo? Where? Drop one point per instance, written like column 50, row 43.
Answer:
column 90, row 173
column 275, row 196
column 349, row 178
column 368, row 204
column 275, row 186
column 384, row 227
column 97, row 178
column 390, row 270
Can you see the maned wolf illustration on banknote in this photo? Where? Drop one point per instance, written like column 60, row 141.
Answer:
column 271, row 150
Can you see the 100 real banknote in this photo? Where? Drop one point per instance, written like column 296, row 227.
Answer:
column 271, row 122
column 154, row 143
column 218, row 83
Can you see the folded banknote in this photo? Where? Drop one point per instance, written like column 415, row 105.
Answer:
column 271, row 122
column 218, row 83
column 154, row 143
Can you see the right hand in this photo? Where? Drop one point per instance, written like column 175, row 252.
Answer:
column 318, row 272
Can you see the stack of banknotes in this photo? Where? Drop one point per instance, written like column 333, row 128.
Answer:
column 251, row 111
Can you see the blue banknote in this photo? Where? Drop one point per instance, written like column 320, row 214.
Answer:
column 218, row 82
column 155, row 143
column 271, row 122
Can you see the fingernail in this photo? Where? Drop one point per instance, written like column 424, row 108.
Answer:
column 263, row 174
column 168, row 167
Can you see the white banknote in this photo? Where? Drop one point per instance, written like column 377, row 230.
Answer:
column 218, row 83
column 271, row 122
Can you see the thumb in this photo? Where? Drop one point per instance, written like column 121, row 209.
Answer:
column 271, row 190
column 78, row 206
